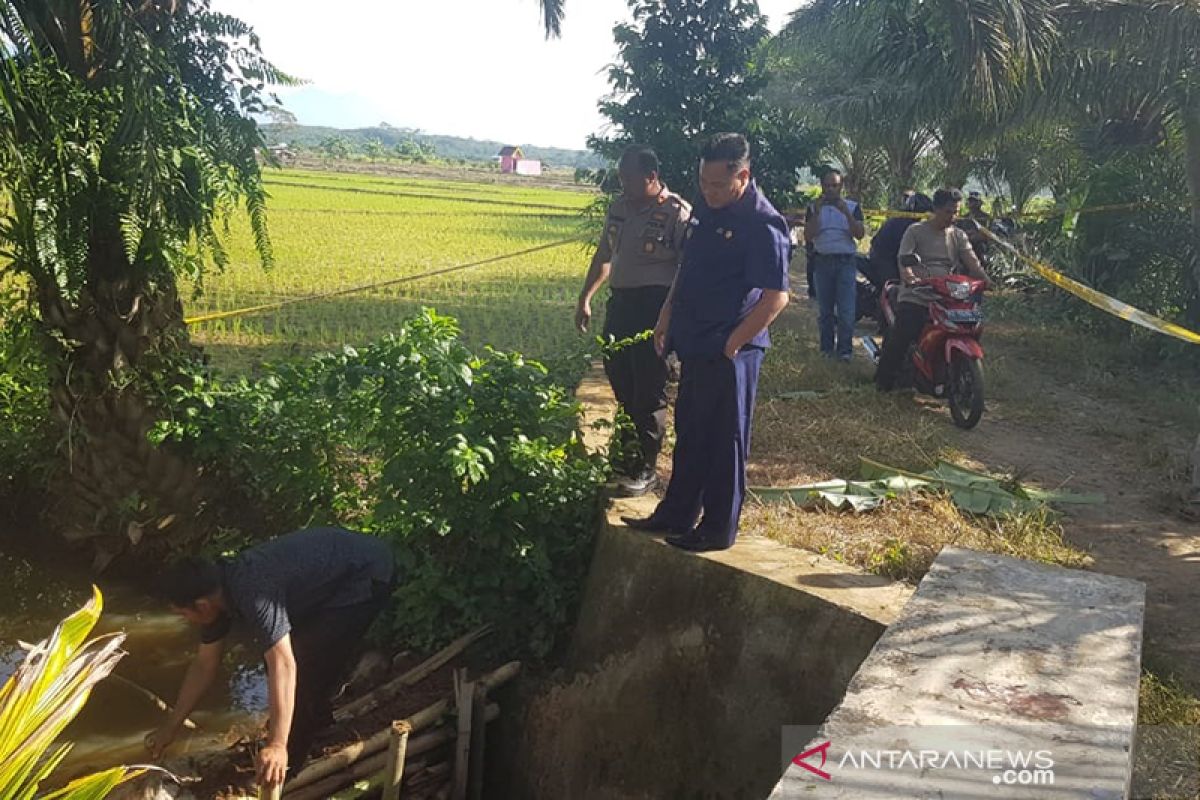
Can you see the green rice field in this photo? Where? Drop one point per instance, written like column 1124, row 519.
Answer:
column 333, row 231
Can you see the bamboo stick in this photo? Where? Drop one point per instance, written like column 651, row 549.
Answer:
column 152, row 697
column 356, row 791
column 371, row 701
column 327, row 786
column 339, row 760
column 393, row 772
column 429, row 781
column 318, row 789
column 272, row 792
column 478, row 738
column 464, row 696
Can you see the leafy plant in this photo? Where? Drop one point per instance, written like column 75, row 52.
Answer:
column 127, row 139
column 45, row 693
column 471, row 465
column 25, row 432
column 687, row 68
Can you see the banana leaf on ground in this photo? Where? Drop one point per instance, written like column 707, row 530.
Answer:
column 972, row 491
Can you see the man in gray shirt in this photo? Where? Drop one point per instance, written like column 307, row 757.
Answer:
column 306, row 599
column 942, row 249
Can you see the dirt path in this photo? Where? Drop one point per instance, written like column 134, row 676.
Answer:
column 1053, row 432
column 1133, row 534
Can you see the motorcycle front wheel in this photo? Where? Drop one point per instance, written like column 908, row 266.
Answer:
column 965, row 391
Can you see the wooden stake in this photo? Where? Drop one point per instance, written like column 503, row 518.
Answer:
column 393, row 771
column 464, row 702
column 272, row 792
column 343, row 758
column 478, row 736
column 320, row 788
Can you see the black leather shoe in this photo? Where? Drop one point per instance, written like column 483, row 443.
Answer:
column 693, row 543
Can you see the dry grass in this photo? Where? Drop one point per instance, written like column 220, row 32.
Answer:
column 900, row 540
column 817, row 419
column 1167, row 754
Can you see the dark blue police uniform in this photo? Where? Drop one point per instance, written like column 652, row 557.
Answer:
column 731, row 254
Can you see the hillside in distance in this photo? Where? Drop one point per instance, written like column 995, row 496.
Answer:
column 449, row 147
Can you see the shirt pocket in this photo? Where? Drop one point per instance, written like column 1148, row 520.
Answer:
column 613, row 234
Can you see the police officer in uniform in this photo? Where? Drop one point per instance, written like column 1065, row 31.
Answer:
column 638, row 254
column 732, row 283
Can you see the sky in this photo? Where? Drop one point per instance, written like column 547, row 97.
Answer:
column 478, row 68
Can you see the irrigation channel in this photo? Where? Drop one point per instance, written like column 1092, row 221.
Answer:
column 111, row 728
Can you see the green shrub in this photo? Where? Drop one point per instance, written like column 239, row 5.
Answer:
column 471, row 465
column 24, row 407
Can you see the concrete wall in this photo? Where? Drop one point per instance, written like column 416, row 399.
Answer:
column 684, row 668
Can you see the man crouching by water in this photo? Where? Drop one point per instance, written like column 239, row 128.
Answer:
column 306, row 599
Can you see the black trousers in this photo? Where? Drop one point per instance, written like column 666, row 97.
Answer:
column 638, row 375
column 323, row 645
column 910, row 321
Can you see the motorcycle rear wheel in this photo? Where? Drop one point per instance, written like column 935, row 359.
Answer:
column 965, row 391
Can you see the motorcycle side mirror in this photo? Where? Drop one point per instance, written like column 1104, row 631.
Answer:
column 910, row 260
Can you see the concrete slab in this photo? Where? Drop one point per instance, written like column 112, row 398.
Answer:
column 1002, row 678
column 683, row 668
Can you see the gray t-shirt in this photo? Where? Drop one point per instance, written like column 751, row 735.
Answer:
column 942, row 252
column 276, row 585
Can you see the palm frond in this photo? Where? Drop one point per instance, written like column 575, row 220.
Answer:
column 552, row 17
column 45, row 693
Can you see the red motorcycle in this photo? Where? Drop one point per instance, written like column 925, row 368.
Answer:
column 947, row 360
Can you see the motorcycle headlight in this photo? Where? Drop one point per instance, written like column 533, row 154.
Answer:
column 960, row 291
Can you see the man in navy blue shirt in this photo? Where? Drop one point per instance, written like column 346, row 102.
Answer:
column 731, row 285
column 306, row 600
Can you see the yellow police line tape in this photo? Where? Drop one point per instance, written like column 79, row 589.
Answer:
column 1098, row 299
column 1054, row 212
column 1086, row 293
column 240, row 312
column 1046, row 214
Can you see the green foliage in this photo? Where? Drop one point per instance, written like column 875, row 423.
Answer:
column 45, row 693
column 335, row 146
column 1141, row 255
column 687, row 68
column 145, row 140
column 471, row 465
column 25, row 432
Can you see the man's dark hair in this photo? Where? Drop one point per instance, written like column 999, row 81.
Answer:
column 188, row 580
column 919, row 203
column 944, row 197
column 644, row 158
column 830, row 171
column 729, row 147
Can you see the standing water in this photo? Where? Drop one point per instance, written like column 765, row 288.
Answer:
column 159, row 644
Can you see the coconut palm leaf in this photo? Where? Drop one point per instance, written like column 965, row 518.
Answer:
column 45, row 693
column 552, row 17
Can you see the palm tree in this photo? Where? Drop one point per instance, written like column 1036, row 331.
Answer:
column 552, row 17
column 125, row 140
column 816, row 70
column 1136, row 62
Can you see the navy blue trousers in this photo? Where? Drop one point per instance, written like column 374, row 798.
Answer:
column 713, row 413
